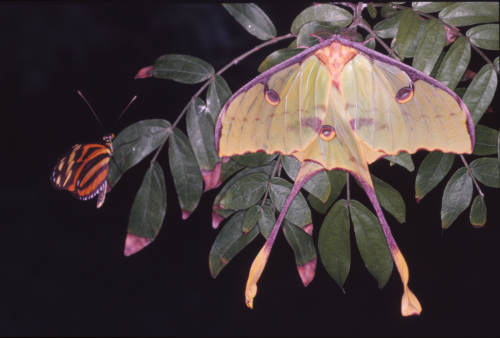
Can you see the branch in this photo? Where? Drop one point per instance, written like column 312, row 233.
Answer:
column 205, row 85
column 278, row 162
column 456, row 31
column 369, row 30
column 473, row 178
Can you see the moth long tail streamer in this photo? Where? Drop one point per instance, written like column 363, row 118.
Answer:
column 409, row 305
column 307, row 170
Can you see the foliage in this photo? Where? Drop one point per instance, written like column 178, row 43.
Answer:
column 253, row 193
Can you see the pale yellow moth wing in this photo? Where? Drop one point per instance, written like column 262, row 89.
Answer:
column 253, row 122
column 391, row 113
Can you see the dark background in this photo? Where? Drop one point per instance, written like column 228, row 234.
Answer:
column 62, row 268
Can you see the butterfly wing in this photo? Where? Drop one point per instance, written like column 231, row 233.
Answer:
column 83, row 171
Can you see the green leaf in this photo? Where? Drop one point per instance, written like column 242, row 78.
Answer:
column 255, row 159
column 439, row 61
column 224, row 213
column 456, row 197
column 267, row 221
column 390, row 199
column 200, row 130
column 470, row 13
column 304, row 38
column 432, row 170
column 298, row 213
column 301, row 243
column 246, row 192
column 430, row 7
column 372, row 43
column 414, row 44
column 478, row 212
column 388, row 10
column 253, row 19
column 322, row 12
column 403, row 159
column 217, row 96
column 228, row 168
column 454, row 64
column 334, row 243
column 266, row 169
column 371, row 242
column 229, row 242
column 388, row 28
column 430, row 46
column 133, row 144
column 481, row 92
column 318, row 185
column 407, row 32
column 372, row 11
column 185, row 171
column 337, row 180
column 278, row 57
column 150, row 205
column 460, row 91
column 485, row 36
column 251, row 218
column 486, row 171
column 182, row 68
column 486, row 141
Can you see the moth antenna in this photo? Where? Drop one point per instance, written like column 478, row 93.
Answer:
column 92, row 110
column 126, row 108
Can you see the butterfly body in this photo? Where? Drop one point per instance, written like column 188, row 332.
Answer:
column 83, row 170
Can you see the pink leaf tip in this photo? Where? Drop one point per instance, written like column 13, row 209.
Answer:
column 144, row 72
column 211, row 177
column 185, row 214
column 307, row 271
column 309, row 229
column 135, row 243
column 216, row 219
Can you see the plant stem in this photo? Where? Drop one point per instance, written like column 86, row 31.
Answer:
column 272, row 175
column 348, row 188
column 471, row 175
column 369, row 30
column 456, row 31
column 267, row 43
column 205, row 85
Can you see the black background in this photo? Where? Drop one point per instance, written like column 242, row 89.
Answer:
column 62, row 268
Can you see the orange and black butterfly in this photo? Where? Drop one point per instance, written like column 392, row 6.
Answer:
column 84, row 169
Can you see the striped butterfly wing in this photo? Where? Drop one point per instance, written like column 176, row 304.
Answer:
column 83, row 171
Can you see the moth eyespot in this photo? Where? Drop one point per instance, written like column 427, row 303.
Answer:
column 78, row 183
column 272, row 97
column 405, row 94
column 327, row 133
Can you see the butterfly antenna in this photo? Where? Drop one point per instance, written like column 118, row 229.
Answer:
column 92, row 110
column 126, row 108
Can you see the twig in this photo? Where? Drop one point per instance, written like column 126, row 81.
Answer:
column 272, row 175
column 369, row 30
column 456, row 31
column 348, row 188
column 471, row 175
column 267, row 43
column 205, row 85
